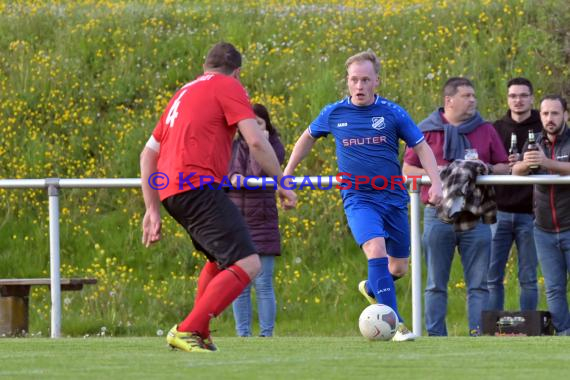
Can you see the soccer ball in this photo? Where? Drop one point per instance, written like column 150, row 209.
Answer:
column 378, row 322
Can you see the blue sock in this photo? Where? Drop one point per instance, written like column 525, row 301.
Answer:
column 381, row 284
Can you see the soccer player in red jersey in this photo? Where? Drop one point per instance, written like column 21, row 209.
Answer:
column 191, row 146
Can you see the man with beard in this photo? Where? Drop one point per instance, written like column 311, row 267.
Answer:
column 514, row 203
column 552, row 207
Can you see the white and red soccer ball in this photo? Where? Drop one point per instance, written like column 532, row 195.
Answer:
column 378, row 322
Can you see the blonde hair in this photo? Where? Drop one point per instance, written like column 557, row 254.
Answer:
column 367, row 55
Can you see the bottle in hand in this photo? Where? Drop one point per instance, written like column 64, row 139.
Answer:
column 532, row 147
column 513, row 150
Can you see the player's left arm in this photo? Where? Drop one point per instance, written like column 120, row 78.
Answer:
column 410, row 133
column 427, row 159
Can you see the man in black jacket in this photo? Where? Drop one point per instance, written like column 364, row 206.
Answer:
column 552, row 207
column 514, row 217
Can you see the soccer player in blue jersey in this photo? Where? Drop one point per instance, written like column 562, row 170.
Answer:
column 367, row 129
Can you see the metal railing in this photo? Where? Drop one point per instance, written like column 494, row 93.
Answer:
column 54, row 184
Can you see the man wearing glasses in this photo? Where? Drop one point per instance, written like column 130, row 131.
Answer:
column 514, row 216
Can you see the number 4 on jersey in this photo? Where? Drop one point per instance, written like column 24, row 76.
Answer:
column 173, row 112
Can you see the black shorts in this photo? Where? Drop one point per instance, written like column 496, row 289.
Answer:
column 214, row 223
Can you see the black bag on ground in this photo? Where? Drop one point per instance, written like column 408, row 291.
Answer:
column 529, row 323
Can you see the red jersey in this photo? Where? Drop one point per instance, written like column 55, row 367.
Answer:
column 196, row 131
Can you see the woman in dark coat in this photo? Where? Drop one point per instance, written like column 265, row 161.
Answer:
column 259, row 209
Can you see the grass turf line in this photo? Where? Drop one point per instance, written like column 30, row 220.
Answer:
column 286, row 358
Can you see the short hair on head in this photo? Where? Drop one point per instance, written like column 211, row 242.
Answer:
column 363, row 56
column 223, row 57
column 520, row 81
column 450, row 87
column 556, row 97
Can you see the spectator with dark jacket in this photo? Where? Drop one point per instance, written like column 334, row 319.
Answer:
column 515, row 218
column 552, row 206
column 259, row 209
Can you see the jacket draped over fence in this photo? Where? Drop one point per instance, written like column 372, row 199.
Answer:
column 464, row 202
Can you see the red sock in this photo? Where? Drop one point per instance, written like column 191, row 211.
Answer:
column 219, row 294
column 209, row 271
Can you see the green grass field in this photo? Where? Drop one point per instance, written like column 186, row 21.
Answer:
column 288, row 358
column 82, row 84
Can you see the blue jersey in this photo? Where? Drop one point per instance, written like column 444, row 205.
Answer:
column 367, row 142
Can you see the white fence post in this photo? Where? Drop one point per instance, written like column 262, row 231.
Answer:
column 415, row 213
column 55, row 278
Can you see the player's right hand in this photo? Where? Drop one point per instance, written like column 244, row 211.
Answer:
column 151, row 227
column 288, row 198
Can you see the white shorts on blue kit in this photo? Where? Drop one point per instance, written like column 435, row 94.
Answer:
column 369, row 216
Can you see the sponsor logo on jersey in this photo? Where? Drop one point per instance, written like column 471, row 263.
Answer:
column 374, row 140
column 378, row 123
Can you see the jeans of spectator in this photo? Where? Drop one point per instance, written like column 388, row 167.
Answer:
column 266, row 305
column 553, row 251
column 439, row 241
column 518, row 228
